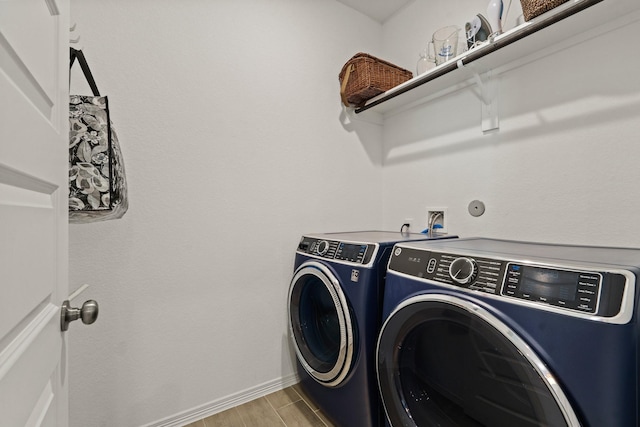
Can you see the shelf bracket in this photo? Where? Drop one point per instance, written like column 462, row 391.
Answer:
column 489, row 97
column 487, row 92
column 348, row 116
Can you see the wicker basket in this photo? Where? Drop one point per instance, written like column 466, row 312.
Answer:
column 533, row 8
column 365, row 76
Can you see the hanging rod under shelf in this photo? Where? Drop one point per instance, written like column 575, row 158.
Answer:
column 497, row 43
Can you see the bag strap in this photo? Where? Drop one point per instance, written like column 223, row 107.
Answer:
column 78, row 54
column 343, row 87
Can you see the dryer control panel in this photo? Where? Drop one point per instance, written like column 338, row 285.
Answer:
column 351, row 252
column 574, row 289
column 593, row 292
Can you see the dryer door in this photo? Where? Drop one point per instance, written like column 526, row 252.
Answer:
column 321, row 324
column 446, row 361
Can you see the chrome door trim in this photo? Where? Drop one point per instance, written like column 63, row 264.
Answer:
column 474, row 309
column 340, row 370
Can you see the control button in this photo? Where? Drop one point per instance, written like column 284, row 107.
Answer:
column 463, row 270
column 323, row 247
column 431, row 267
column 588, row 284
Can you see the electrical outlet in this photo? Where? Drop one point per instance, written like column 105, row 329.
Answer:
column 410, row 222
column 439, row 216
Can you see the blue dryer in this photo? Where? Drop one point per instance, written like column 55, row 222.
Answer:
column 482, row 332
column 335, row 304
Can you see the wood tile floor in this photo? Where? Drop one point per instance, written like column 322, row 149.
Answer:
column 288, row 407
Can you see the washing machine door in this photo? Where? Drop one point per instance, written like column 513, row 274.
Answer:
column 321, row 325
column 446, row 361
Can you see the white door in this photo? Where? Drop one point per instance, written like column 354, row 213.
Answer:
column 34, row 59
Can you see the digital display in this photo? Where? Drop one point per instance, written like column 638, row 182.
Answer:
column 350, row 252
column 542, row 282
column 569, row 289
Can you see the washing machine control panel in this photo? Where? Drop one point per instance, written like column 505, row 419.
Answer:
column 584, row 291
column 348, row 252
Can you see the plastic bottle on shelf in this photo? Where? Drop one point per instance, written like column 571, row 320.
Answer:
column 425, row 62
column 494, row 16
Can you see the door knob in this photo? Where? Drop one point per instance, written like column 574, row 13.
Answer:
column 88, row 313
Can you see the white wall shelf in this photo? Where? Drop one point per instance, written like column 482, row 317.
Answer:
column 547, row 33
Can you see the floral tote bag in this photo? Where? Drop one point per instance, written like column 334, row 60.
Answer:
column 97, row 182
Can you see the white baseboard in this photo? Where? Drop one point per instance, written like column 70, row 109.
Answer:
column 225, row 403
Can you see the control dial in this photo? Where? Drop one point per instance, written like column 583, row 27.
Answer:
column 323, row 247
column 463, row 270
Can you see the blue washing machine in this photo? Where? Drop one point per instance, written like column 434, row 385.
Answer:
column 335, row 303
column 482, row 332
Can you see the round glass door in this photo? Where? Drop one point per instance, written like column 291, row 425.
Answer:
column 320, row 324
column 444, row 361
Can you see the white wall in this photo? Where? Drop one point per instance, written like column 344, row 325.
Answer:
column 230, row 123
column 563, row 166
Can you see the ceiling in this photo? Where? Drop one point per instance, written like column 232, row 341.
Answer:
column 379, row 10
